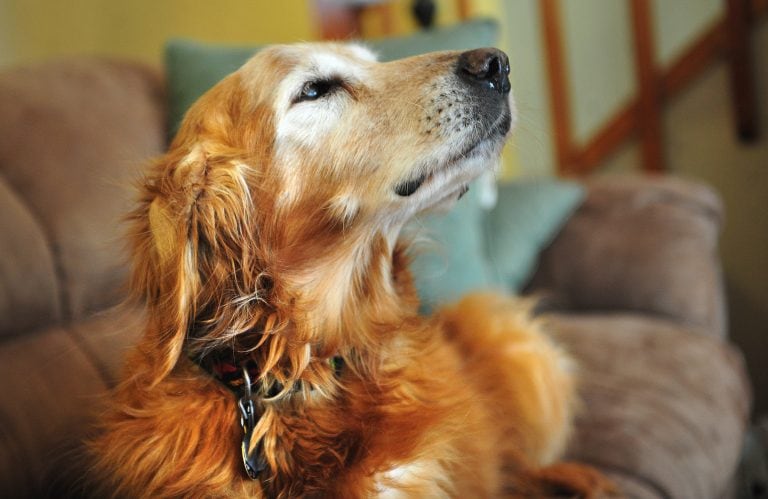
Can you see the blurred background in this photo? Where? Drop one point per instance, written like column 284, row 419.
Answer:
column 578, row 70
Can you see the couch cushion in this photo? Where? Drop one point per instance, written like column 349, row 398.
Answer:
column 528, row 215
column 471, row 248
column 448, row 255
column 664, row 409
column 646, row 244
column 53, row 386
column 28, row 288
column 73, row 137
column 192, row 68
column 108, row 335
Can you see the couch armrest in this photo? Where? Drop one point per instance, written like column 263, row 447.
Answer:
column 646, row 244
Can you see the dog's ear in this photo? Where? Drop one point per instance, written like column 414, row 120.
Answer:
column 193, row 234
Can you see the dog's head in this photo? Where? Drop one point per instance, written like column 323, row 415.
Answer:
column 289, row 177
column 382, row 141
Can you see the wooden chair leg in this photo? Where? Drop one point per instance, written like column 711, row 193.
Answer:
column 741, row 65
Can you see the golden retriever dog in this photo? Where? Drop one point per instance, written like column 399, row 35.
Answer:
column 283, row 353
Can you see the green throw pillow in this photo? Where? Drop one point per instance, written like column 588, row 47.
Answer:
column 474, row 249
column 451, row 261
column 527, row 217
column 194, row 67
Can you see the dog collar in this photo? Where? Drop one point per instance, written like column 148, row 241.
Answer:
column 236, row 375
column 229, row 372
column 243, row 379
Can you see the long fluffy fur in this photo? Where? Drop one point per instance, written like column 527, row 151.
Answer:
column 233, row 249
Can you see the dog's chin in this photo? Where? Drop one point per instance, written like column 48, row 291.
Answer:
column 447, row 182
column 447, row 176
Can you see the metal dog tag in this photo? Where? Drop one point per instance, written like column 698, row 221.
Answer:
column 254, row 461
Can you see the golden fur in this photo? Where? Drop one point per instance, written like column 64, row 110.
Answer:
column 270, row 228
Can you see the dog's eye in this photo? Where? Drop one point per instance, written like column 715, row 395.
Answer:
column 313, row 90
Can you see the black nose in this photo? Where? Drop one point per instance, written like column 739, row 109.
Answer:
column 486, row 67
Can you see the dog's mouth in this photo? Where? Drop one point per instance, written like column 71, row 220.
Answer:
column 498, row 131
column 409, row 187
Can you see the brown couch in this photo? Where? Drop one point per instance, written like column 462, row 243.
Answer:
column 632, row 282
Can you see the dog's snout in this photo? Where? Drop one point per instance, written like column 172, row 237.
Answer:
column 486, row 67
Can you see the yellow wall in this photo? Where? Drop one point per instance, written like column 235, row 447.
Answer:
column 39, row 29
column 32, row 30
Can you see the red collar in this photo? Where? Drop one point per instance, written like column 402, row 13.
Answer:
column 229, row 372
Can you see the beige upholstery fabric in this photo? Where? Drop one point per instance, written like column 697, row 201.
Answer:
column 107, row 335
column 55, row 380
column 29, row 292
column 646, row 244
column 49, row 388
column 664, row 408
column 73, row 137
